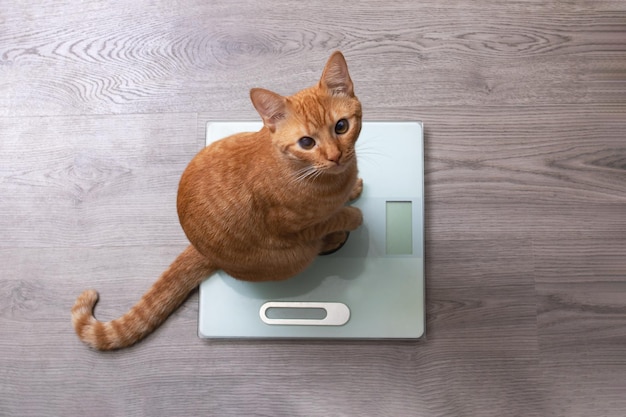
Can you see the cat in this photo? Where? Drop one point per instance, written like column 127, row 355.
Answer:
column 259, row 206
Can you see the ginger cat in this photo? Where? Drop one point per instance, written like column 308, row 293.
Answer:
column 260, row 206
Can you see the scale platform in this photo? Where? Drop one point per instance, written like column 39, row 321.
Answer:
column 372, row 288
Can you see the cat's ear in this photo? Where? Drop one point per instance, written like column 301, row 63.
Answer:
column 335, row 78
column 271, row 106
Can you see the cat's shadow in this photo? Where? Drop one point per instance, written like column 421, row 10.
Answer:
column 325, row 276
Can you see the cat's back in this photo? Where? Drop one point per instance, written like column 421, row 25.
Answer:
column 221, row 196
column 224, row 165
column 220, row 178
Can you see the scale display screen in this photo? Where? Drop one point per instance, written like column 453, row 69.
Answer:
column 398, row 230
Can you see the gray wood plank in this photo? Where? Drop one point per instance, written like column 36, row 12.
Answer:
column 97, row 180
column 582, row 323
column 598, row 259
column 153, row 57
column 463, row 264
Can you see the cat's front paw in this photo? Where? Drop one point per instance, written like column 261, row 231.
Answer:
column 357, row 190
column 332, row 242
column 354, row 218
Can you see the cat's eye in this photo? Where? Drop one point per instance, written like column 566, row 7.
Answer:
column 341, row 127
column 306, row 142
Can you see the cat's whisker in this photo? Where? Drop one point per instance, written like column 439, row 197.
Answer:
column 311, row 174
column 371, row 151
column 361, row 154
column 370, row 158
column 302, row 170
column 303, row 176
column 318, row 172
column 303, row 173
column 367, row 154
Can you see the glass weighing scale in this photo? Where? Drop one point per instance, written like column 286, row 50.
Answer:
column 372, row 288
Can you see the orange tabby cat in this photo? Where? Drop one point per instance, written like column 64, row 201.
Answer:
column 260, row 206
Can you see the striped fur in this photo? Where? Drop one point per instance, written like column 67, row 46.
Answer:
column 165, row 295
column 259, row 206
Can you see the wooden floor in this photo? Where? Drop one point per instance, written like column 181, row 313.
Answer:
column 102, row 105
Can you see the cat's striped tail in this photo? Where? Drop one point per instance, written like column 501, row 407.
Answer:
column 171, row 289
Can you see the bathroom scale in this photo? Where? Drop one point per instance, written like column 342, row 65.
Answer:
column 372, row 288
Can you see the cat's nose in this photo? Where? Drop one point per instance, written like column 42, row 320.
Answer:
column 334, row 156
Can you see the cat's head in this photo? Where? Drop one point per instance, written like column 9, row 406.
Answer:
column 316, row 128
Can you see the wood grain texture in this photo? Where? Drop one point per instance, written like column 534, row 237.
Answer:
column 198, row 56
column 582, row 323
column 103, row 104
column 74, row 181
column 162, row 376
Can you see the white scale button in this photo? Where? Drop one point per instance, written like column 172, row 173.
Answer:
column 337, row 314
